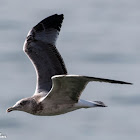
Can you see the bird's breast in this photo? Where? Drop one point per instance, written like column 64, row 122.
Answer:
column 51, row 110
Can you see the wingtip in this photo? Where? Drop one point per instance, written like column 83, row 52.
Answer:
column 61, row 15
column 127, row 83
column 130, row 83
column 53, row 21
column 57, row 15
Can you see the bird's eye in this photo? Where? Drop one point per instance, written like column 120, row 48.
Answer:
column 23, row 103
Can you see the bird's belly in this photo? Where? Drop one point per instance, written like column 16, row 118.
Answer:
column 56, row 110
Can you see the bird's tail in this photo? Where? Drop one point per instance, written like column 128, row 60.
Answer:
column 99, row 104
column 88, row 104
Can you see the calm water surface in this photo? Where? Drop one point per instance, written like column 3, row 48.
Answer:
column 98, row 38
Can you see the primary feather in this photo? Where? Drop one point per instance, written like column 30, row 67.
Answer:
column 40, row 48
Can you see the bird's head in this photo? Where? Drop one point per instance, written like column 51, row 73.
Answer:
column 25, row 105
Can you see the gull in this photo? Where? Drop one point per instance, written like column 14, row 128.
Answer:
column 56, row 92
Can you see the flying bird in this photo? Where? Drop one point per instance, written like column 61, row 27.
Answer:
column 56, row 92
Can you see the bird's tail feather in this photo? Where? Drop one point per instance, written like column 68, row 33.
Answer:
column 89, row 104
column 99, row 104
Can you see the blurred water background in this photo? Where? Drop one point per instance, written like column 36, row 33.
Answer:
column 98, row 38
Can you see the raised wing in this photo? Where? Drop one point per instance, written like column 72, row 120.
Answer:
column 69, row 87
column 40, row 48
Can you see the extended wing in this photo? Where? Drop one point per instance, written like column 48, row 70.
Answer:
column 40, row 48
column 69, row 87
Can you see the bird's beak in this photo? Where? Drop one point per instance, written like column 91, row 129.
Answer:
column 11, row 108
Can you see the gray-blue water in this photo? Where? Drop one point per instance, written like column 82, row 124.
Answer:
column 98, row 38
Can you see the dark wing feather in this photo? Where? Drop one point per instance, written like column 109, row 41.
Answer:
column 40, row 48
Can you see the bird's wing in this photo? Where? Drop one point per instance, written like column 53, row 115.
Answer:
column 40, row 48
column 68, row 88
